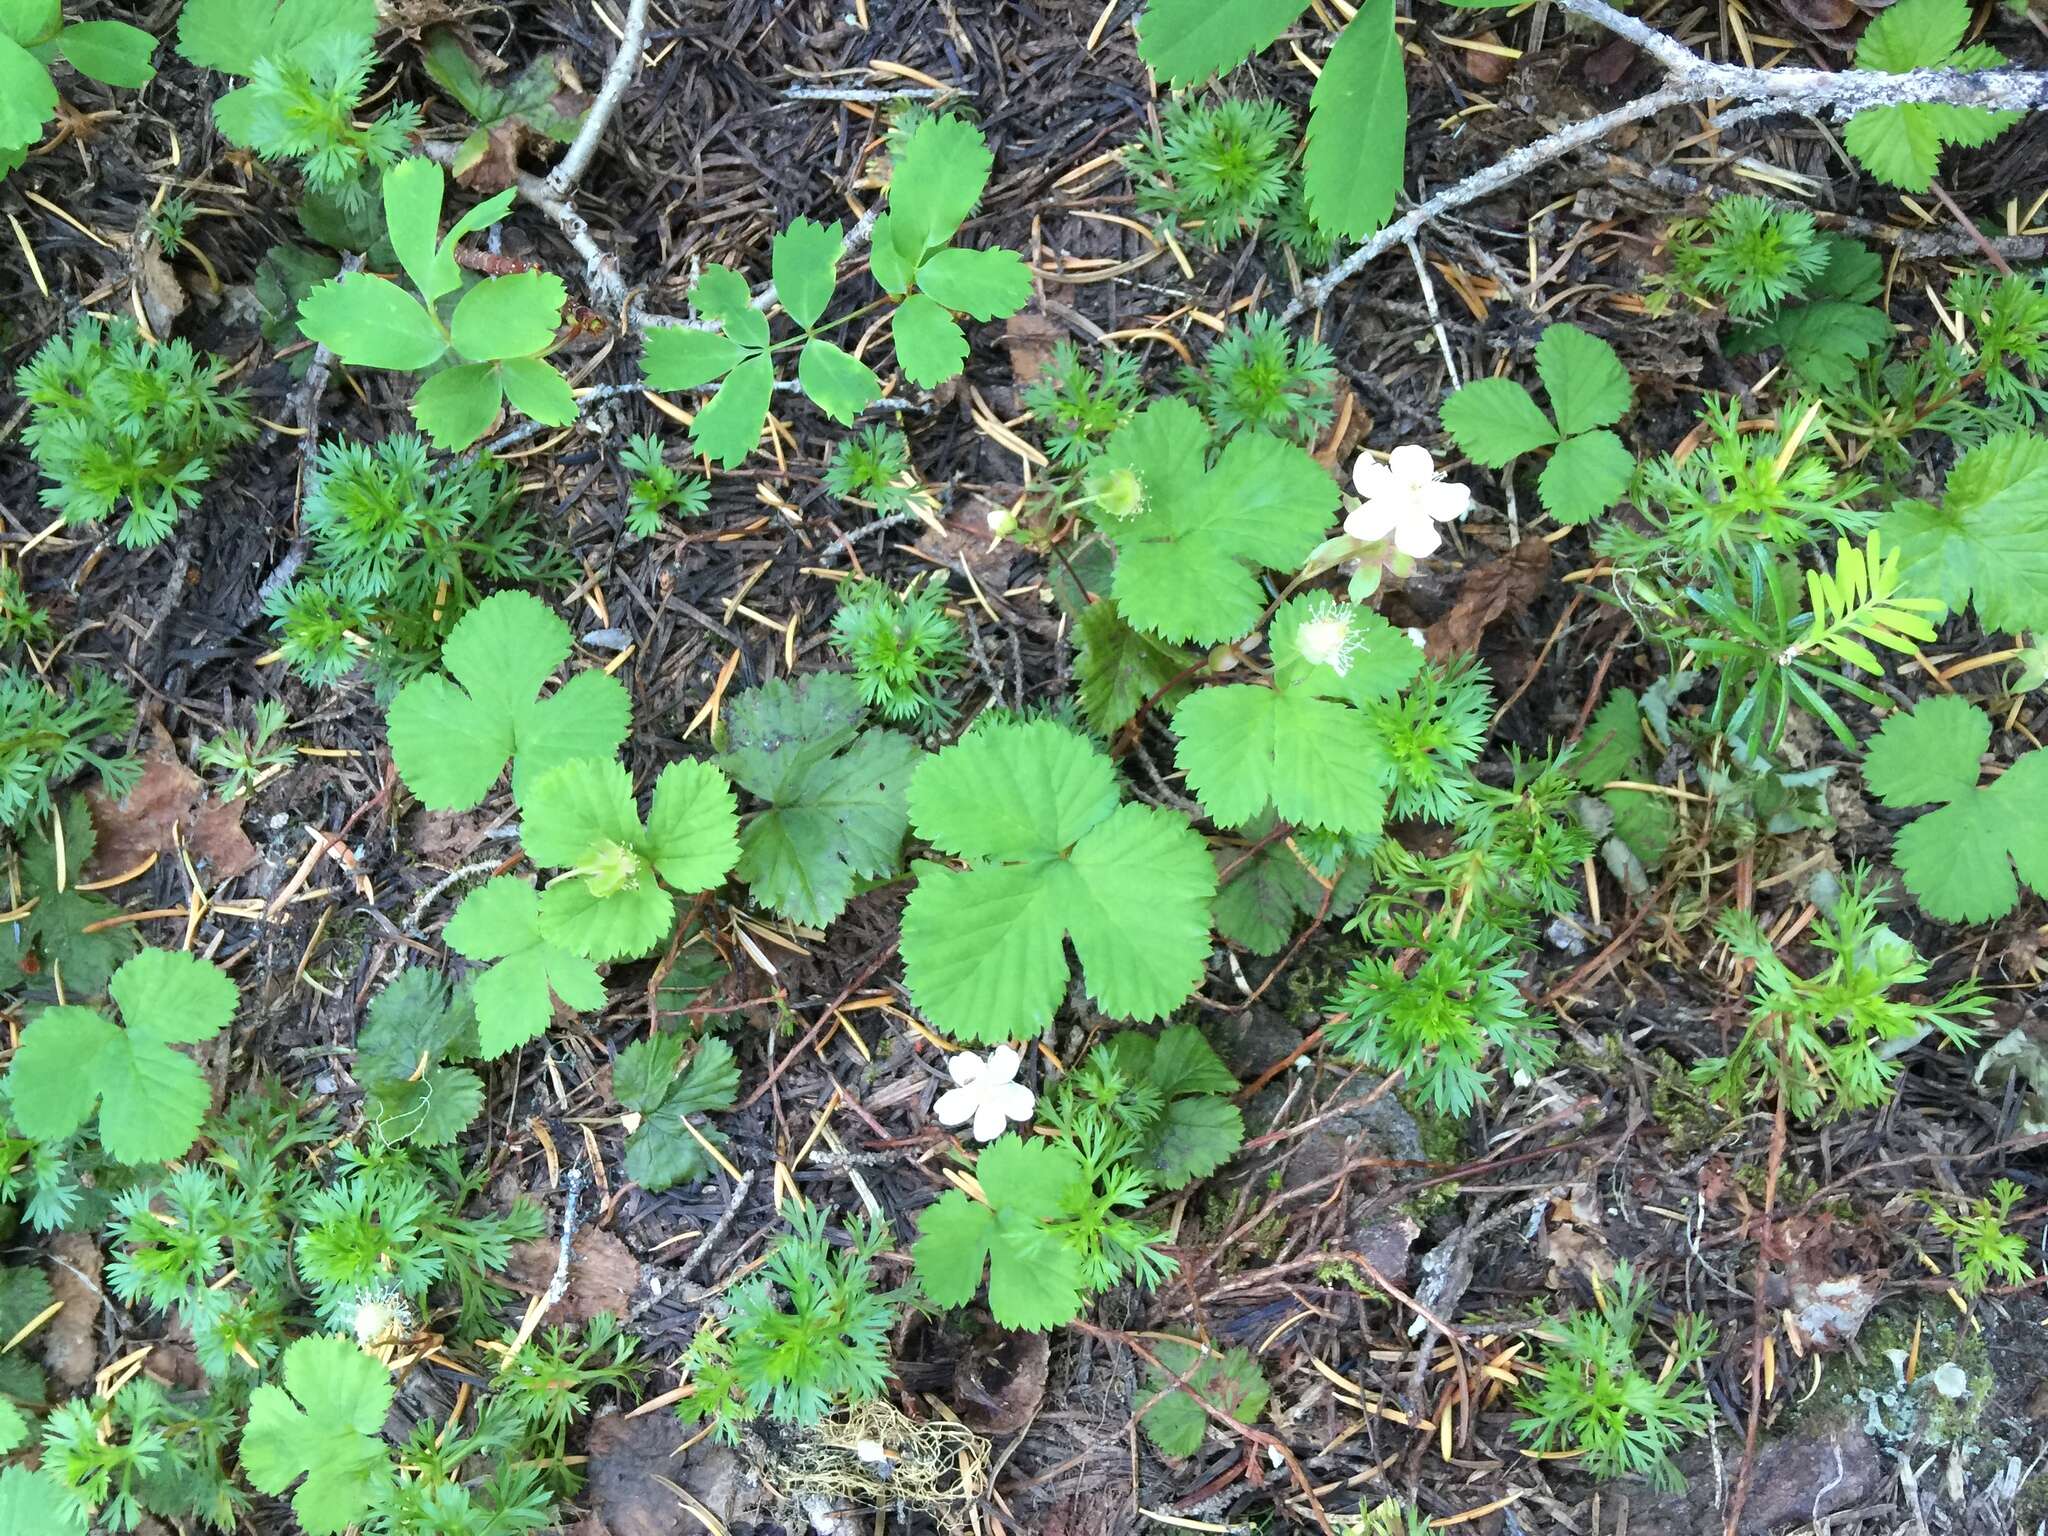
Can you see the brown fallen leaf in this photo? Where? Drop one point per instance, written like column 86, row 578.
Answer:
column 603, row 1274
column 966, row 543
column 1030, row 338
column 1000, row 1381
column 1483, row 66
column 68, row 1344
column 1572, row 1242
column 167, row 795
column 161, row 295
column 1490, row 592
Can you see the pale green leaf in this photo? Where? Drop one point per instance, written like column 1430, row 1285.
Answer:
column 457, row 405
column 985, row 284
column 231, row 35
column 1987, row 543
column 371, row 321
column 30, row 22
column 728, row 425
column 1357, row 144
column 412, row 192
column 1186, row 41
column 1314, row 761
column 1587, row 475
column 511, row 316
column 28, row 98
column 838, row 383
column 930, row 346
column 111, row 52
column 324, row 1424
column 500, row 921
column 804, row 261
column 1495, row 420
column 680, row 357
column 1584, row 379
column 34, row 1501
column 1034, row 1278
column 535, row 389
column 692, row 826
column 935, row 179
column 721, row 294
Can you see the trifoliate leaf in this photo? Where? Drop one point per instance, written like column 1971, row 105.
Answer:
column 804, row 262
column 930, row 346
column 1231, row 1381
column 511, row 316
column 111, row 52
column 324, row 1424
column 51, row 938
column 836, row 799
column 1198, row 1128
column 1032, row 808
column 457, row 405
column 371, row 321
column 151, row 1097
column 1191, row 537
column 1034, row 1278
column 1958, row 860
column 1316, row 762
column 515, row 998
column 988, row 285
column 1584, row 379
column 583, row 817
column 416, row 1026
column 728, row 425
column 836, row 381
column 1495, row 420
column 936, row 177
column 1186, row 41
column 450, row 743
column 1902, row 144
column 1587, row 475
column 1357, row 141
column 1987, row 542
column 1119, row 668
column 661, row 1154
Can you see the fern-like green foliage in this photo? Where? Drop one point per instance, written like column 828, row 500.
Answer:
column 1832, row 326
column 1258, row 375
column 658, row 488
column 904, row 649
column 1747, row 253
column 1215, row 171
column 1079, row 405
column 1830, row 1042
column 806, row 1335
column 1985, row 1250
column 128, row 428
column 872, row 464
column 1170, row 1092
column 1597, row 1398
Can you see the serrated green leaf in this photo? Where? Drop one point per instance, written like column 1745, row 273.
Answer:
column 1231, row 1381
column 28, row 97
column 55, row 928
column 721, row 294
column 1495, row 420
column 1357, row 144
column 642, row 1072
column 1902, row 144
column 369, row 320
column 729, row 424
column 324, row 1424
column 1034, row 1279
column 535, row 389
column 1198, row 1128
column 661, row 1154
column 1119, row 668
column 451, row 742
column 457, row 405
column 935, row 179
column 1379, row 660
column 34, row 1501
column 1584, row 379
column 804, row 262
column 680, row 357
column 1186, row 41
column 1033, row 808
column 500, row 921
column 1823, row 341
column 838, row 383
column 30, row 22
column 692, row 826
column 988, row 285
column 1585, row 476
column 231, row 35
column 1261, row 895
column 930, row 346
column 1612, row 747
column 111, row 52
column 151, row 1097
column 416, row 1026
column 1987, row 543
column 511, row 316
column 1314, row 761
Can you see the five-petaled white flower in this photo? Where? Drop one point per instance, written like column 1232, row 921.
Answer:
column 987, row 1095
column 1404, row 498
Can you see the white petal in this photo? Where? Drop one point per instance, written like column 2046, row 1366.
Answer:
column 1003, row 1063
column 1444, row 500
column 1371, row 478
column 1411, row 465
column 956, row 1106
column 1014, row 1100
column 965, row 1066
column 1373, row 519
column 988, row 1121
column 1417, row 537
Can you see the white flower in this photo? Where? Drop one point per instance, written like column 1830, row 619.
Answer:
column 1420, row 640
column 987, row 1094
column 383, row 1316
column 1325, row 639
column 1404, row 498
column 1002, row 521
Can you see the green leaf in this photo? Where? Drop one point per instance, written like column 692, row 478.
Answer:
column 416, row 1026
column 836, row 800
column 893, row 273
column 512, row 316
column 36, row 1501
column 1584, row 379
column 1231, row 1381
column 1612, row 747
column 325, row 1424
column 1034, row 1278
column 1587, row 475
column 28, row 97
column 450, row 743
column 111, row 52
column 537, row 390
column 457, row 405
column 722, row 294
column 804, row 263
column 1032, row 808
column 514, row 999
column 1823, row 341
column 679, row 357
column 151, row 1097
column 660, row 1154
column 1316, row 762
column 412, row 192
column 1198, row 1128
column 1357, row 143
column 691, row 826
column 1186, row 41
column 930, row 346
column 30, row 23
column 1959, row 860
column 1495, row 420
column 729, row 424
column 642, row 1072
column 1379, row 660
column 936, row 176
column 838, row 383
column 1987, row 542
column 1902, row 144
column 1120, row 668
column 54, row 929
column 1188, row 555
column 985, row 284
column 14, row 1432
column 231, row 35
column 371, row 321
